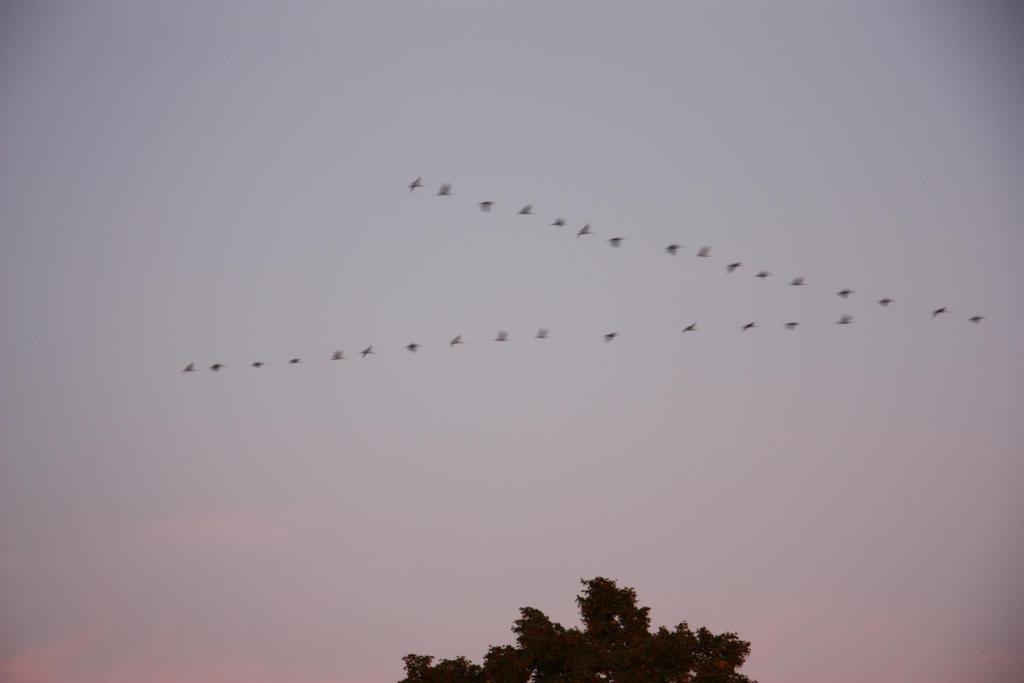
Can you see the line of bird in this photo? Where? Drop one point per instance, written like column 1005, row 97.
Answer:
column 502, row 336
column 445, row 190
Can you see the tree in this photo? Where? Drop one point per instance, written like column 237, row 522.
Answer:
column 615, row 645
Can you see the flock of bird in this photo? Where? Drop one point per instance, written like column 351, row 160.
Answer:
column 486, row 206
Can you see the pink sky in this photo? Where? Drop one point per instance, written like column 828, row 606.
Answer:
column 225, row 182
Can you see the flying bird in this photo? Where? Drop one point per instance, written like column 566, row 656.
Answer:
column 337, row 355
column 704, row 252
column 797, row 282
column 615, row 241
column 486, row 206
column 526, row 210
column 368, row 351
column 692, row 327
column 976, row 319
column 191, row 367
column 445, row 190
column 672, row 249
column 845, row 320
column 884, row 302
column 412, row 347
column 844, row 293
column 542, row 334
column 416, row 183
column 585, row 230
column 938, row 311
column 216, row 367
column 749, row 326
column 791, row 325
column 455, row 340
column 501, row 336
column 733, row 266
column 258, row 364
column 610, row 336
column 294, row 361
column 762, row 274
column 559, row 222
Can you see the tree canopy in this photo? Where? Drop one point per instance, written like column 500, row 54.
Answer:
column 615, row 645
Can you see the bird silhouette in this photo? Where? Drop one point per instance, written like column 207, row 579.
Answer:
column 845, row 320
column 610, row 336
column 216, row 367
column 585, row 230
column 762, row 274
column 791, row 325
column 416, row 183
column 797, row 282
column 976, row 319
column 455, row 340
column 294, row 361
column 542, row 334
column 191, row 367
column 938, row 311
column 672, row 249
column 731, row 268
column 257, row 364
column 704, row 252
column 501, row 336
column 884, row 302
column 412, row 347
column 368, row 351
column 749, row 326
column 615, row 241
column 445, row 190
column 526, row 210
column 845, row 293
column 337, row 355
column 559, row 222
column 486, row 206
column 692, row 327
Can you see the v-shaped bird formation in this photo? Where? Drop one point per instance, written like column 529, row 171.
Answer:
column 673, row 249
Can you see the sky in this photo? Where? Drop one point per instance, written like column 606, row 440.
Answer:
column 226, row 182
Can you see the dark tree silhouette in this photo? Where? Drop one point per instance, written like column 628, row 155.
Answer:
column 615, row 645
